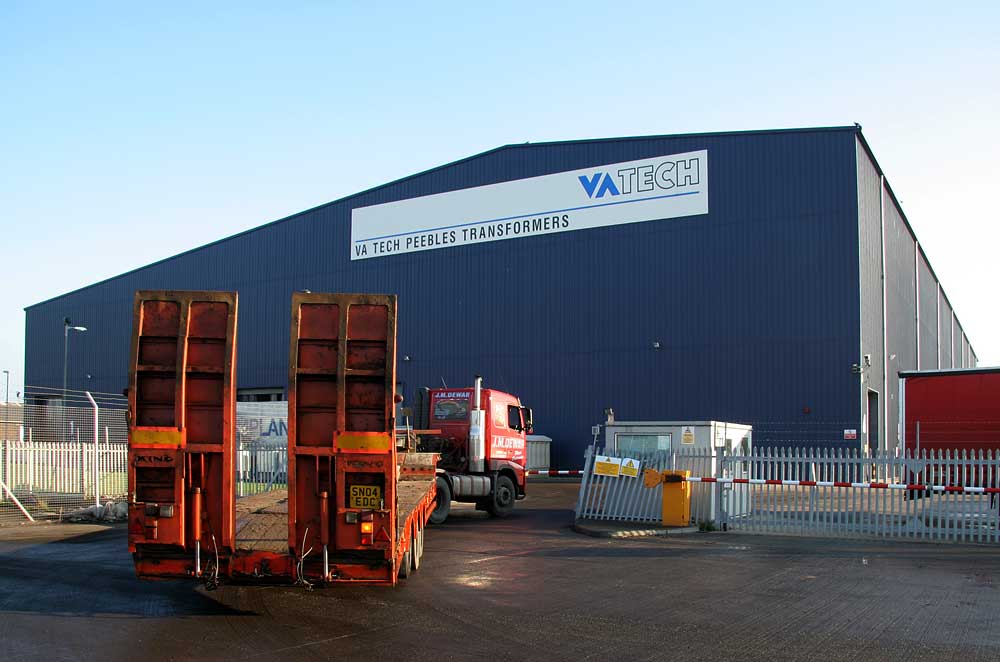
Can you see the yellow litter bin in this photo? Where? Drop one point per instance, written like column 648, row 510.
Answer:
column 676, row 498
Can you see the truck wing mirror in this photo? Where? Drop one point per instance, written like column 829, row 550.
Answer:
column 527, row 419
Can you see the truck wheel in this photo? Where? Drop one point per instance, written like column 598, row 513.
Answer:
column 503, row 497
column 442, row 503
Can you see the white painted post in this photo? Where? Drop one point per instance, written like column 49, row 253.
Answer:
column 239, row 470
column 584, row 483
column 97, row 450
column 31, row 462
column 16, row 502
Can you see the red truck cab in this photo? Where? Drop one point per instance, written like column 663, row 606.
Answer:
column 483, row 451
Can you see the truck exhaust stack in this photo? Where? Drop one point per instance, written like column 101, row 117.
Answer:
column 477, row 423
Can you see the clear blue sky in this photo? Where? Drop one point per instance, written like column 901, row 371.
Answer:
column 120, row 122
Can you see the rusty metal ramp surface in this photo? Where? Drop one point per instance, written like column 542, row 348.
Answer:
column 262, row 522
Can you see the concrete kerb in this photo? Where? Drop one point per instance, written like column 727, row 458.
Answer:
column 600, row 529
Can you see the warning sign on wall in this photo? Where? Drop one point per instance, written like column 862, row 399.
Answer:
column 687, row 436
column 850, row 434
column 630, row 467
column 607, row 466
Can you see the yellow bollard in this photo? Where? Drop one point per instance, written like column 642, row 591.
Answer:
column 676, row 498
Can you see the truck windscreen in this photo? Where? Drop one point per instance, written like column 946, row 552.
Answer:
column 447, row 409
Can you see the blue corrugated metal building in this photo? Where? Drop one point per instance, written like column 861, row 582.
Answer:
column 790, row 304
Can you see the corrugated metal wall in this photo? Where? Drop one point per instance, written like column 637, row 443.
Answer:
column 956, row 344
column 755, row 304
column 909, row 282
column 928, row 314
column 945, row 323
column 870, row 264
column 901, row 298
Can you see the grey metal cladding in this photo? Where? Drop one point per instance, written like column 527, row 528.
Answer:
column 928, row 327
column 755, row 305
column 945, row 322
column 900, row 282
column 870, row 262
column 956, row 344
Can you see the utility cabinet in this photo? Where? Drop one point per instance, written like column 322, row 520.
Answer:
column 698, row 446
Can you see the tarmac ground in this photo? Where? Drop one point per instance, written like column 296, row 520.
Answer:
column 527, row 587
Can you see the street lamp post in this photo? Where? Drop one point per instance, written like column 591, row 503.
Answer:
column 67, row 327
column 6, row 387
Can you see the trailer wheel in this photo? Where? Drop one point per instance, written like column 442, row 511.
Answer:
column 406, row 564
column 504, row 496
column 415, row 549
column 442, row 503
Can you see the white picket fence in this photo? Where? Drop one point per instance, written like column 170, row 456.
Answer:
column 260, row 468
column 50, row 478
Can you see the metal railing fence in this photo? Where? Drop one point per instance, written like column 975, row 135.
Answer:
column 260, row 468
column 627, row 499
column 935, row 495
column 621, row 498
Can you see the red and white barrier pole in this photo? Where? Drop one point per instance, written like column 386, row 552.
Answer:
column 829, row 483
column 916, row 487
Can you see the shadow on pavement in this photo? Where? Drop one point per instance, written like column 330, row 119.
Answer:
column 88, row 575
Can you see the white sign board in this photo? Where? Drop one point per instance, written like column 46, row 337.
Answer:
column 655, row 188
column 687, row 436
column 262, row 422
column 850, row 434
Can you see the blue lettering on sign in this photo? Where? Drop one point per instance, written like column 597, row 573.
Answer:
column 607, row 185
column 277, row 428
column 590, row 185
column 643, row 178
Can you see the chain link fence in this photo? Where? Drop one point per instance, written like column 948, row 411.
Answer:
column 59, row 455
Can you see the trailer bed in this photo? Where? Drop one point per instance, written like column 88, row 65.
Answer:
column 410, row 493
column 262, row 522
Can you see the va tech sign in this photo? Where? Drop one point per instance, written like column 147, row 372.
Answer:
column 658, row 188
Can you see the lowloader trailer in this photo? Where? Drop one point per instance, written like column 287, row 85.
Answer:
column 355, row 508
